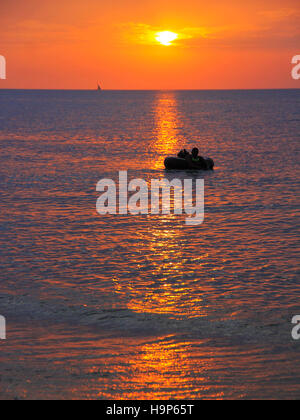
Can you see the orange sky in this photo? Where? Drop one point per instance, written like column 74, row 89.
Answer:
column 222, row 44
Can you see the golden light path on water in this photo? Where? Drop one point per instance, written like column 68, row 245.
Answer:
column 166, row 285
column 164, row 365
column 166, row 124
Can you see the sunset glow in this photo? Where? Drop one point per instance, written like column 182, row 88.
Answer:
column 70, row 44
column 149, row 236
column 166, row 38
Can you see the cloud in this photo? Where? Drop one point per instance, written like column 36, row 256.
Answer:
column 140, row 33
column 269, row 29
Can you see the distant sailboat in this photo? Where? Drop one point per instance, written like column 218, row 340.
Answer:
column 99, row 88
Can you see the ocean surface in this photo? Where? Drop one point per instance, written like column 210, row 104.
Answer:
column 144, row 307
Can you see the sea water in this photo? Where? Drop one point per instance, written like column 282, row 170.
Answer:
column 131, row 307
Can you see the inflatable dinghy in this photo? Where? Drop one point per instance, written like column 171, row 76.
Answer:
column 180, row 164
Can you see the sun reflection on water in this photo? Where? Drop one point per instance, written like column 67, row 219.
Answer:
column 167, row 282
column 164, row 369
column 166, row 279
column 167, row 124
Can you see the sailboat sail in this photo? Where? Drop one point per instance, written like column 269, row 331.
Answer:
column 99, row 87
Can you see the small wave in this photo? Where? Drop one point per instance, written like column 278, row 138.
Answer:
column 125, row 322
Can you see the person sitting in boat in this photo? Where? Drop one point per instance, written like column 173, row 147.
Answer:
column 183, row 154
column 196, row 161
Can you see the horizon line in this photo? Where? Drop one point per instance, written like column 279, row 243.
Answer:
column 150, row 90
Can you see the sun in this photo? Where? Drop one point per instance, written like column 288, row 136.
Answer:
column 166, row 38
